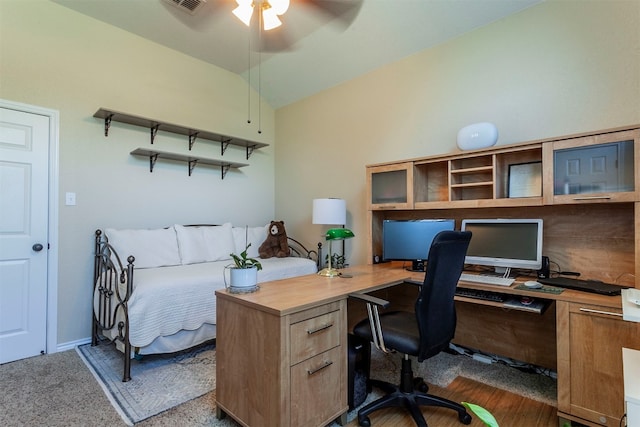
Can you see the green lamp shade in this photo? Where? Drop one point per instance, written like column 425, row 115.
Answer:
column 339, row 234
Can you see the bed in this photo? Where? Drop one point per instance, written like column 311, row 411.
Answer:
column 161, row 297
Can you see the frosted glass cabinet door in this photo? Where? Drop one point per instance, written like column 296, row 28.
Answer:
column 596, row 168
column 390, row 186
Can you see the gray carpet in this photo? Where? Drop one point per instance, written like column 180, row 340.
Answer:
column 159, row 382
column 58, row 390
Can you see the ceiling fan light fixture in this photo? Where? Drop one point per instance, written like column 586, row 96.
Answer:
column 244, row 11
column 270, row 19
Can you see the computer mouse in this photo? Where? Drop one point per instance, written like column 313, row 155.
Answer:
column 533, row 284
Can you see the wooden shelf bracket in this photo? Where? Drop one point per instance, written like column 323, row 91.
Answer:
column 250, row 149
column 152, row 161
column 224, row 144
column 192, row 139
column 107, row 124
column 192, row 164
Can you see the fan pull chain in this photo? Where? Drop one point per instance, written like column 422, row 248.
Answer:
column 260, row 74
column 249, row 78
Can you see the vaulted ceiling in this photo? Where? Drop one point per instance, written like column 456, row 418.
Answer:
column 322, row 51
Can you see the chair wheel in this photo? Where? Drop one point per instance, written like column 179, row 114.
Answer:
column 420, row 385
column 364, row 422
column 464, row 418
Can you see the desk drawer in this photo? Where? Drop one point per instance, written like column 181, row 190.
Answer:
column 314, row 336
column 317, row 389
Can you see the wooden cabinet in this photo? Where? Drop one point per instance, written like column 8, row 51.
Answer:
column 593, row 169
column 390, row 186
column 586, row 188
column 590, row 339
column 302, row 374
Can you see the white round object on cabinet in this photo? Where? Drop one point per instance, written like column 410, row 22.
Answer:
column 477, row 135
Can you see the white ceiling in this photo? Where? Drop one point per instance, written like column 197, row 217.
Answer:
column 324, row 53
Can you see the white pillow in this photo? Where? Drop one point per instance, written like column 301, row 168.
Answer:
column 254, row 235
column 193, row 248
column 205, row 243
column 151, row 248
column 219, row 241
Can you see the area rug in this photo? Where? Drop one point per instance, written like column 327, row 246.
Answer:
column 443, row 368
column 158, row 382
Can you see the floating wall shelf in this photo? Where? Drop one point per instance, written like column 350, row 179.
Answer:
column 154, row 155
column 154, row 126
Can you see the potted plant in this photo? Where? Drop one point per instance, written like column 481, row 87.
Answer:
column 243, row 275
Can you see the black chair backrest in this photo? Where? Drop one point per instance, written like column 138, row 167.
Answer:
column 435, row 308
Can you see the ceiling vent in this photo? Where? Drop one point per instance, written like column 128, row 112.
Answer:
column 189, row 6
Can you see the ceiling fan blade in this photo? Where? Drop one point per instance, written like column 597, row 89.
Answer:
column 342, row 12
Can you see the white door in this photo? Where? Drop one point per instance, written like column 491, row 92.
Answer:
column 24, row 210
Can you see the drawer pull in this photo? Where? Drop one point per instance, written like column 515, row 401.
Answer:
column 320, row 368
column 592, row 198
column 319, row 328
column 608, row 313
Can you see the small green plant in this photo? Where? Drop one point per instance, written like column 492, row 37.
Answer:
column 242, row 261
column 337, row 260
column 485, row 416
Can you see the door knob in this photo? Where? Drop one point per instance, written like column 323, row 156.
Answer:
column 37, row 247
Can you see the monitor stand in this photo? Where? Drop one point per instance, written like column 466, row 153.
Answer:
column 418, row 265
column 502, row 271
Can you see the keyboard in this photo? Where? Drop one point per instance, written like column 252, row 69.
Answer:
column 486, row 279
column 583, row 285
column 480, row 294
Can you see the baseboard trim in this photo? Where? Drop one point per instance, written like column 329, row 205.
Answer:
column 72, row 344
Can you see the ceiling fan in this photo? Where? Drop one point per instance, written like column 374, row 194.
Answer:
column 276, row 25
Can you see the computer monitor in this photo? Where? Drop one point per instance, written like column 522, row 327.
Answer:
column 505, row 243
column 410, row 240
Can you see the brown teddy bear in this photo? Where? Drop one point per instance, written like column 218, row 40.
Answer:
column 276, row 244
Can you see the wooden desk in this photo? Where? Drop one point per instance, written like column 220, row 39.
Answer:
column 281, row 351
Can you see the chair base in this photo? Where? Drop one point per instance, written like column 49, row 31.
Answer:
column 405, row 396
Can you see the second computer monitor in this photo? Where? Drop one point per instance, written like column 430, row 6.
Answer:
column 410, row 240
column 505, row 243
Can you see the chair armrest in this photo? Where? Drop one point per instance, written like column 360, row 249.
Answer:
column 371, row 299
column 374, row 318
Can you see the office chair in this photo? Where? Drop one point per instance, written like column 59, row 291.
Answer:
column 422, row 334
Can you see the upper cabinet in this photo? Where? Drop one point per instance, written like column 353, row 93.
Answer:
column 592, row 169
column 509, row 176
column 390, row 186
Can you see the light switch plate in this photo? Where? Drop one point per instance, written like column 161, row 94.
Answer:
column 70, row 199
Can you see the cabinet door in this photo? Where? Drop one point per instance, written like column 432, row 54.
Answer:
column 590, row 378
column 600, row 168
column 390, row 186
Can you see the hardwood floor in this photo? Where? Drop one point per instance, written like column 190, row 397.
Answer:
column 509, row 409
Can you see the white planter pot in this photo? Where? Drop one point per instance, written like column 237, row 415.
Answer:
column 241, row 279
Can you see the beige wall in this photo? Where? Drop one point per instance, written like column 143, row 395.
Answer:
column 58, row 59
column 558, row 68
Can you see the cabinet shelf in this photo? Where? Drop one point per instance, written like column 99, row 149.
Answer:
column 154, row 155
column 154, row 126
column 472, row 170
column 473, row 184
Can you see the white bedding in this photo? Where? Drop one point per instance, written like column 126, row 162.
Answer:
column 158, row 307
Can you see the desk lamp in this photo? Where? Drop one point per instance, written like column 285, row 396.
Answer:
column 331, row 235
column 331, row 212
